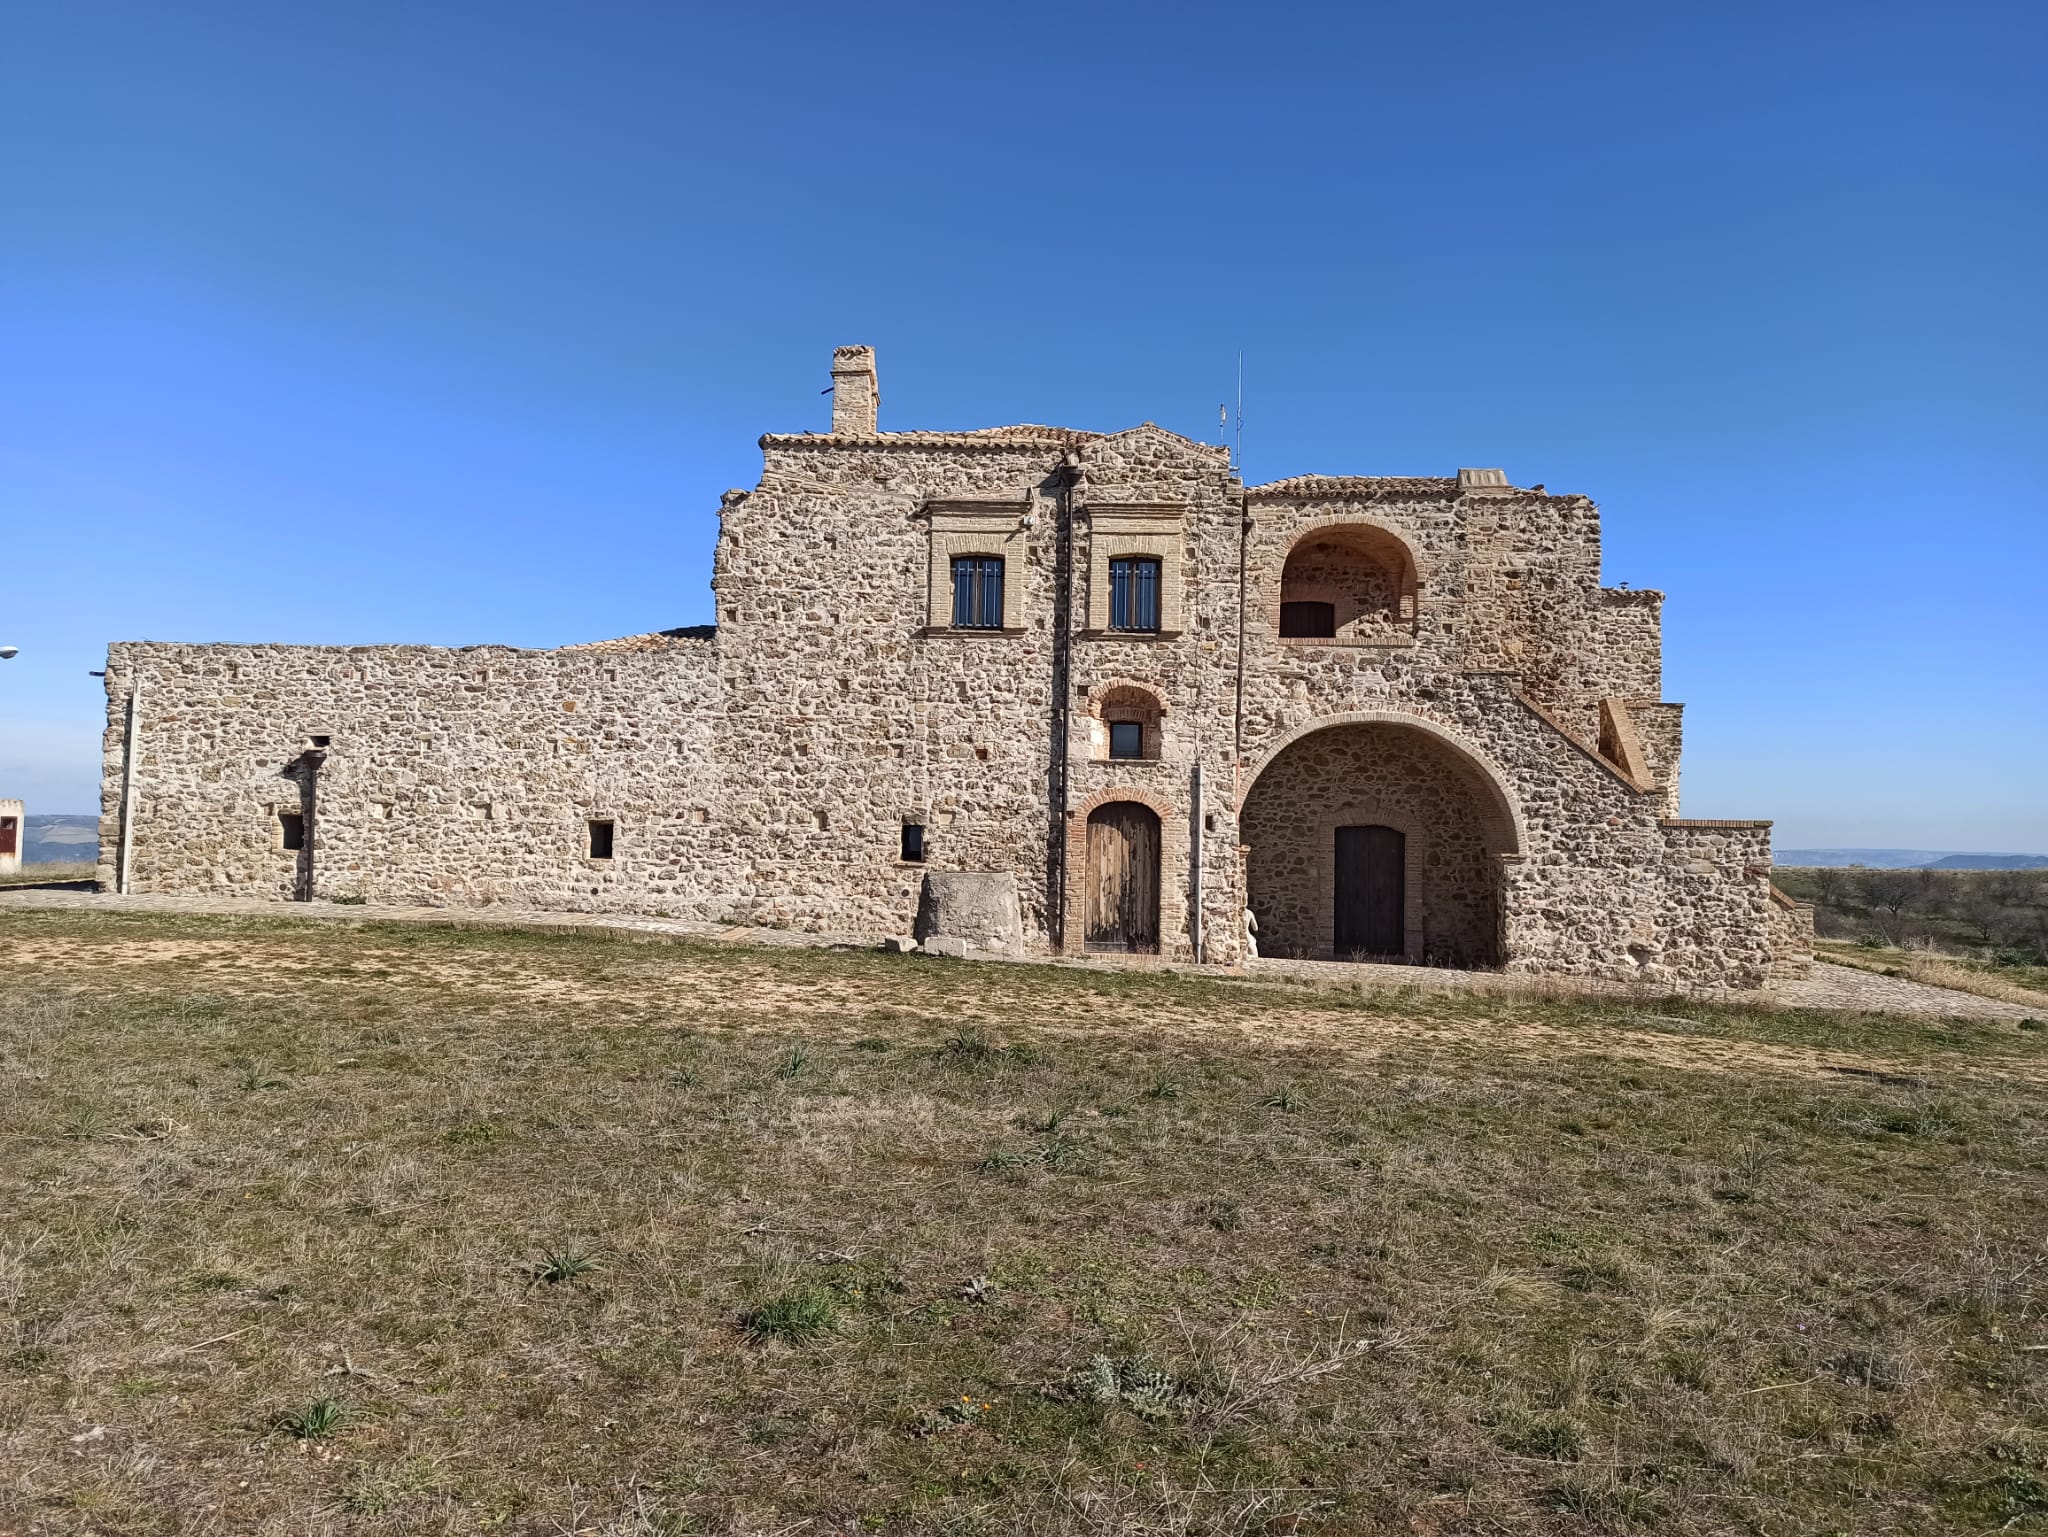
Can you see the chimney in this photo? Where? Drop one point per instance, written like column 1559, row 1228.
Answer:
column 856, row 397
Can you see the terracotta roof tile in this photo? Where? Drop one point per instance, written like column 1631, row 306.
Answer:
column 1358, row 485
column 653, row 640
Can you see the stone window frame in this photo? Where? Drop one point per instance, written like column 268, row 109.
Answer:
column 985, row 526
column 1408, row 604
column 1149, row 530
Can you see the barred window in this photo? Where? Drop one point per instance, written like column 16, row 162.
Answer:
column 977, row 592
column 1133, row 593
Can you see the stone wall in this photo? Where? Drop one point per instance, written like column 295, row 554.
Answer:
column 1721, row 926
column 840, row 691
column 1791, row 939
column 448, row 777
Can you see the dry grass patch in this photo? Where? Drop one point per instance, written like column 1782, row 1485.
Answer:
column 395, row 1230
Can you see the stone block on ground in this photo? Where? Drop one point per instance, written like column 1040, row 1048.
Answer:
column 977, row 907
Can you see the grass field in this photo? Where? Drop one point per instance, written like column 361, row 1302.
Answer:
column 324, row 1228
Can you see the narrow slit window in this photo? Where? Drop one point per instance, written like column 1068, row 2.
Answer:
column 977, row 592
column 1308, row 621
column 1126, row 739
column 291, row 830
column 1133, row 593
column 600, row 840
column 912, row 848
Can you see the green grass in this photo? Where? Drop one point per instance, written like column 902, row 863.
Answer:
column 570, row 1232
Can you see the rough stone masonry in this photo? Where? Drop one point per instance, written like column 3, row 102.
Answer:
column 1108, row 692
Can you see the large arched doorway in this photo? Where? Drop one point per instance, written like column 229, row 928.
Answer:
column 1121, row 910
column 1377, row 841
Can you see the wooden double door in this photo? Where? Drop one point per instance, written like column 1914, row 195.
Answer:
column 1371, row 895
column 1121, row 905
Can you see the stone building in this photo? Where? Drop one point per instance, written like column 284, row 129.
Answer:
column 13, row 832
column 1103, row 694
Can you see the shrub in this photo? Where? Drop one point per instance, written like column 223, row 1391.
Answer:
column 1224, row 1216
column 1553, row 1437
column 315, row 1421
column 556, row 1266
column 794, row 1316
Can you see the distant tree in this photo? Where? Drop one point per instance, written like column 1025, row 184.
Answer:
column 1890, row 893
column 1831, row 886
column 1983, row 916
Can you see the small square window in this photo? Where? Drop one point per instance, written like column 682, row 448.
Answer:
column 291, row 829
column 1308, row 621
column 600, row 840
column 913, row 843
column 1126, row 739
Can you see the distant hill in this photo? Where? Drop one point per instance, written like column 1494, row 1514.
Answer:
column 61, row 840
column 1908, row 859
column 1990, row 862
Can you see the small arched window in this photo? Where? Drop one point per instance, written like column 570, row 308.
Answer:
column 977, row 592
column 1127, row 722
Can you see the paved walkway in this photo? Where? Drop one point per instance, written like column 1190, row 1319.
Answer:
column 1830, row 986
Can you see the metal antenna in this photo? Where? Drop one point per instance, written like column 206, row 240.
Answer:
column 1238, row 454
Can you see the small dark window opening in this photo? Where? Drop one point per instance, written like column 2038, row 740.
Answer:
column 10, row 836
column 600, row 840
column 1126, row 739
column 1133, row 594
column 321, row 741
column 1308, row 621
column 292, row 828
column 977, row 592
column 913, row 843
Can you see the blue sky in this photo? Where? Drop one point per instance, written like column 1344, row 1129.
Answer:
column 449, row 323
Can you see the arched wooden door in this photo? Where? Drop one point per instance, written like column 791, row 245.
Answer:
column 1123, row 878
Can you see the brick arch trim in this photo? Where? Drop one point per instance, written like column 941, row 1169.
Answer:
column 1101, row 798
column 1324, row 523
column 1507, row 809
column 1110, row 685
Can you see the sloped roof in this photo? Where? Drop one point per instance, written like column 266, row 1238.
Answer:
column 1020, row 434
column 1358, row 485
column 653, row 640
